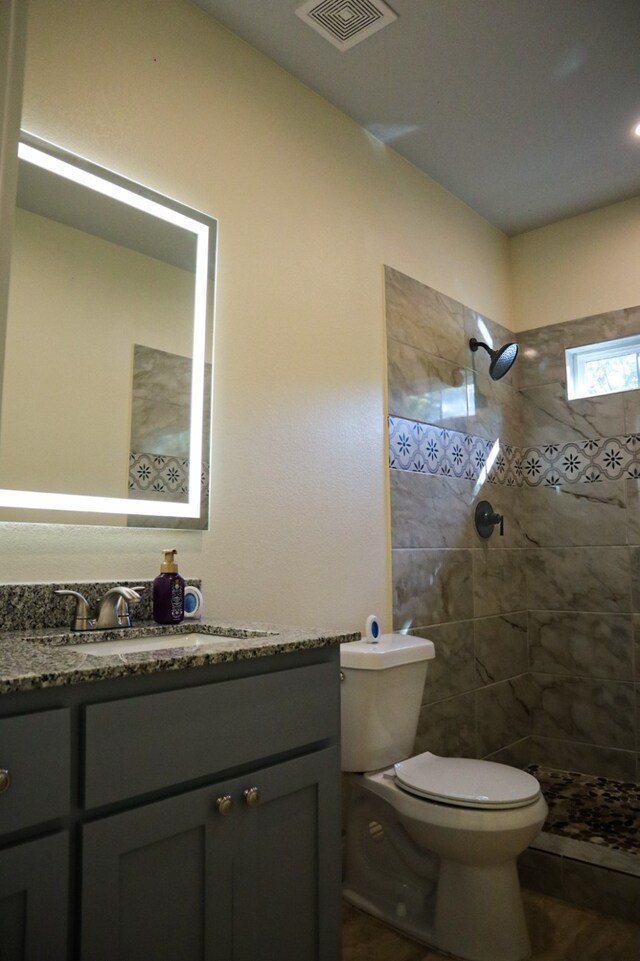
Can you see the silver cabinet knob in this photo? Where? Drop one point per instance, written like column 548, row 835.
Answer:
column 224, row 805
column 251, row 796
column 5, row 780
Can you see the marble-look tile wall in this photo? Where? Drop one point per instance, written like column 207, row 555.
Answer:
column 537, row 633
column 583, row 569
column 160, row 425
column 465, row 593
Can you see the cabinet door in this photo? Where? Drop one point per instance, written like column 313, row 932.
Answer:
column 177, row 880
column 287, row 879
column 34, row 891
column 157, row 882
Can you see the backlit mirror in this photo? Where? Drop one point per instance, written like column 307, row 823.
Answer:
column 106, row 393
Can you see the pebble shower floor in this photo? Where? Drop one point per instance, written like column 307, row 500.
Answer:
column 592, row 809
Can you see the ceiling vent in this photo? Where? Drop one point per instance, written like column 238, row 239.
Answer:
column 346, row 22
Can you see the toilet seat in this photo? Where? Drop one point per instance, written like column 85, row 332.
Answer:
column 465, row 782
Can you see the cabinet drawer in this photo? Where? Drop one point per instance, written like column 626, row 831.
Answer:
column 144, row 744
column 35, row 750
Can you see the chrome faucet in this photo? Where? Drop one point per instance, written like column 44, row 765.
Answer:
column 113, row 611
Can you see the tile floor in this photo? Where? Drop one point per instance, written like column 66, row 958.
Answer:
column 559, row 932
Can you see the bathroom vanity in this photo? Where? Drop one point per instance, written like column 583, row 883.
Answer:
column 171, row 805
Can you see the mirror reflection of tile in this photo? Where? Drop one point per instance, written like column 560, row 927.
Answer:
column 159, row 448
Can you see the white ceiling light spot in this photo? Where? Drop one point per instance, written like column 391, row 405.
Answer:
column 346, row 22
column 636, row 130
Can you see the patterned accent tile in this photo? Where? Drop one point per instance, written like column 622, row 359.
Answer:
column 162, row 474
column 425, row 448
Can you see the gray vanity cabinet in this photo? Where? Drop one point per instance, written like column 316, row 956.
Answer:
column 184, row 815
column 284, row 890
column 180, row 879
column 35, row 790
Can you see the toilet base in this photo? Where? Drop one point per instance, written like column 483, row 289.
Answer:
column 479, row 914
column 408, row 924
column 470, row 928
column 472, row 911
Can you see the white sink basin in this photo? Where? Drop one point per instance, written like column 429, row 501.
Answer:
column 137, row 645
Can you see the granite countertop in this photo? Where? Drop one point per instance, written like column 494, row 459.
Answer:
column 41, row 658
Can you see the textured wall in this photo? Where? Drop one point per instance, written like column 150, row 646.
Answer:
column 309, row 207
column 577, row 267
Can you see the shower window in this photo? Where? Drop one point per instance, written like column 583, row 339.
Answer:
column 603, row 368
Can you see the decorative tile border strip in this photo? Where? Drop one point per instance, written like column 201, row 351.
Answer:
column 162, row 474
column 427, row 449
column 588, row 461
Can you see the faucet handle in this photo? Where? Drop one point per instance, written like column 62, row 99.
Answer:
column 114, row 607
column 82, row 620
column 129, row 597
column 135, row 598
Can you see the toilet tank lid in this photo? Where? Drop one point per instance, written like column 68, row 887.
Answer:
column 390, row 650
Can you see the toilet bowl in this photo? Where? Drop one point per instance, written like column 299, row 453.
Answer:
column 432, row 842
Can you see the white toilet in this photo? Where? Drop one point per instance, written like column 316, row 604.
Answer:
column 432, row 842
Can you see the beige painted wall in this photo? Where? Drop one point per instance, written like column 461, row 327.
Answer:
column 310, row 208
column 578, row 267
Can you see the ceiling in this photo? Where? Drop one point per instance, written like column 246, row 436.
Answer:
column 523, row 109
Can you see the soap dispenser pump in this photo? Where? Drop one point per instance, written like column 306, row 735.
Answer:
column 168, row 591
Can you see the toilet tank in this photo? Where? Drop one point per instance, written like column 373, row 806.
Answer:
column 381, row 696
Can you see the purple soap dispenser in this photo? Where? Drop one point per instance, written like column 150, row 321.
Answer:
column 168, row 592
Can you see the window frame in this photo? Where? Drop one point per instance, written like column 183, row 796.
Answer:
column 576, row 359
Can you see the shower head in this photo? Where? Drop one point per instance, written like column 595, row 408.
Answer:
column 501, row 360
